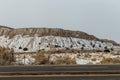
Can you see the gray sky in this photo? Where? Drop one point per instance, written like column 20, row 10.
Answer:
column 98, row 17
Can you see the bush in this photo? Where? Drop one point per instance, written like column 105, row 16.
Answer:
column 112, row 49
column 100, row 45
column 82, row 48
column 106, row 49
column 83, row 45
column 39, row 43
column 67, row 48
column 71, row 46
column 25, row 49
column 93, row 45
column 57, row 46
column 99, row 51
column 20, row 47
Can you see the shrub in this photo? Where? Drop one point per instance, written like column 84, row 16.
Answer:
column 93, row 45
column 106, row 49
column 39, row 43
column 82, row 48
column 71, row 46
column 112, row 49
column 78, row 42
column 99, row 51
column 100, row 45
column 20, row 47
column 83, row 45
column 25, row 49
column 56, row 46
column 67, row 48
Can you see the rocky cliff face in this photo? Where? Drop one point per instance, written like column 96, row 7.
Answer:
column 33, row 39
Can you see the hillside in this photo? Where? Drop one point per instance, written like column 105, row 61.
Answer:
column 4, row 30
column 34, row 39
column 45, row 32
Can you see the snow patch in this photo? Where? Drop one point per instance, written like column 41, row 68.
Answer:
column 33, row 44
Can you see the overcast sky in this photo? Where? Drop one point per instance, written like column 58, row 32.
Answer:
column 97, row 17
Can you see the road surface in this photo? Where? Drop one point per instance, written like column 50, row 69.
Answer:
column 59, row 68
column 65, row 72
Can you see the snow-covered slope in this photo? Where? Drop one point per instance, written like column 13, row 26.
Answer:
column 32, row 44
column 34, row 39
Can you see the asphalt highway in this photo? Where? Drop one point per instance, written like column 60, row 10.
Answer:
column 59, row 68
column 57, row 72
column 63, row 78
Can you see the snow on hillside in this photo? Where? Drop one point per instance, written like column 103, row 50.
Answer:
column 32, row 44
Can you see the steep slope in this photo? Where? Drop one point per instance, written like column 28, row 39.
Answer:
column 4, row 30
column 33, row 39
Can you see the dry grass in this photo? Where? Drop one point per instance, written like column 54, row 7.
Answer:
column 42, row 57
column 65, row 61
column 110, row 61
column 6, row 56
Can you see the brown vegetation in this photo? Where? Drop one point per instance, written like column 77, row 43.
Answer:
column 42, row 57
column 49, row 32
column 65, row 60
column 6, row 56
column 110, row 61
